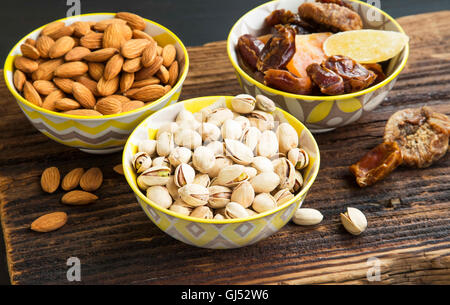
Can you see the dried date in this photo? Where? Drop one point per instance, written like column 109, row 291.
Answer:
column 378, row 70
column 377, row 164
column 329, row 82
column 249, row 48
column 421, row 133
column 288, row 82
column 355, row 76
column 286, row 17
column 278, row 50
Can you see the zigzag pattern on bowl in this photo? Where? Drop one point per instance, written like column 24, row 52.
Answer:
column 92, row 134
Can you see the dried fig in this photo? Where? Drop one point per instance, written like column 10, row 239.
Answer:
column 421, row 133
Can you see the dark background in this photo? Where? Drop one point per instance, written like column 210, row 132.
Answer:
column 194, row 21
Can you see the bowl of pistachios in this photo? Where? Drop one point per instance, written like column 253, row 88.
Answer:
column 221, row 172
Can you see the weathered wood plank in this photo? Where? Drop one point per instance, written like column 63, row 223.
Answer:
column 117, row 244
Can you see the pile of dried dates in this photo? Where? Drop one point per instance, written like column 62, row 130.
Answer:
column 289, row 55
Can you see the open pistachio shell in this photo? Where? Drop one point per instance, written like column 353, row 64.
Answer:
column 283, row 196
column 216, row 147
column 264, row 202
column 202, row 179
column 235, row 210
column 219, row 163
column 193, row 194
column 354, row 221
column 219, row 196
column 243, row 103
column 286, row 171
column 232, row 175
column 299, row 157
column 261, row 120
column 238, row 152
column 156, row 175
column 179, row 155
column 250, row 137
column 219, row 115
column 264, row 103
column 180, row 209
column 141, row 162
column 262, row 164
column 209, row 132
column 298, row 182
column 172, row 188
column 243, row 194
column 160, row 196
column 287, row 137
column 184, row 174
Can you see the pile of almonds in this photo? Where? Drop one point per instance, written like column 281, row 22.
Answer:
column 95, row 68
column 89, row 181
column 223, row 163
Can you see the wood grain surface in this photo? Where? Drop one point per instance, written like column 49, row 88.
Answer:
column 117, row 244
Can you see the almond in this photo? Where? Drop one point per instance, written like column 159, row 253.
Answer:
column 31, row 94
column 167, row 88
column 136, row 22
column 43, row 45
column 52, row 28
column 163, row 74
column 118, row 169
column 145, row 82
column 132, row 65
column 83, row 95
column 19, row 79
column 168, row 54
column 81, row 28
column 71, row 69
column 72, row 179
column 108, row 87
column 66, row 104
column 92, row 179
column 173, row 73
column 146, row 73
column 25, row 64
column 30, row 51
column 113, row 37
column 50, row 179
column 149, row 54
column 147, row 93
column 92, row 40
column 31, row 42
column 65, row 84
column 113, row 67
column 46, row 69
column 64, row 31
column 126, row 81
column 159, row 50
column 108, row 105
column 49, row 222
column 120, row 98
column 44, row 87
column 126, row 31
column 77, row 54
column 103, row 24
column 89, row 83
column 61, row 47
column 132, row 105
column 83, row 112
column 77, row 197
column 50, row 100
column 101, row 55
column 137, row 34
column 96, row 70
column 133, row 48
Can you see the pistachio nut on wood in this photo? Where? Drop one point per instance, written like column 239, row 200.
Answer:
column 354, row 221
column 307, row 217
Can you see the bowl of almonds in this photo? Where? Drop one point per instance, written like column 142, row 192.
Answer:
column 221, row 171
column 87, row 81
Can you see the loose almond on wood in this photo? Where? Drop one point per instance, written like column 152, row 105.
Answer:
column 77, row 197
column 92, row 179
column 50, row 179
column 72, row 179
column 49, row 222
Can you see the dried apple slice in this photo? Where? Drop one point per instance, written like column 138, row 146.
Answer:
column 366, row 46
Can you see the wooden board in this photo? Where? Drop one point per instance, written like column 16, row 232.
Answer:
column 117, row 244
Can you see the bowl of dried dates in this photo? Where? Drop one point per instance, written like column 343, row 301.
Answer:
column 221, row 171
column 87, row 81
column 326, row 62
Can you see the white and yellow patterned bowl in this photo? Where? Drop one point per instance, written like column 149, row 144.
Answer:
column 96, row 134
column 209, row 233
column 319, row 113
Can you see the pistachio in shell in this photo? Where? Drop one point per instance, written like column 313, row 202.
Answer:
column 193, row 194
column 287, row 137
column 243, row 103
column 299, row 157
column 286, row 171
column 261, row 120
column 203, row 159
column 250, row 137
column 262, row 164
column 267, row 145
column 283, row 196
column 216, row 147
column 298, row 182
column 219, row 115
column 202, row 212
column 220, row 162
column 264, row 103
column 238, row 151
column 188, row 138
column 231, row 130
column 232, row 175
column 170, row 127
column 219, row 196
column 160, row 196
column 265, row 182
column 165, row 144
column 243, row 194
column 184, row 174
column 148, row 146
column 264, row 202
column 156, row 175
column 179, row 155
column 209, row 132
column 141, row 162
column 235, row 210
column 202, row 179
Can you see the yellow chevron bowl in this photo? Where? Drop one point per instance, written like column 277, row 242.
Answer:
column 319, row 113
column 96, row 134
column 211, row 233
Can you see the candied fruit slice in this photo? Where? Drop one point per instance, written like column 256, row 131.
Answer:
column 308, row 50
column 377, row 164
column 366, row 46
column 421, row 133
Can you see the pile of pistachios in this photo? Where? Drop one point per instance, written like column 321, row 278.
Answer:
column 222, row 163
